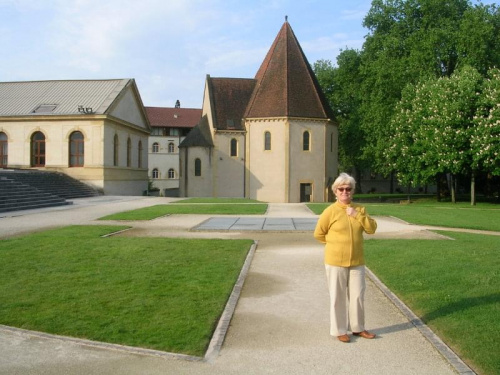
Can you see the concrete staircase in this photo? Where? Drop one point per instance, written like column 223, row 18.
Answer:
column 28, row 189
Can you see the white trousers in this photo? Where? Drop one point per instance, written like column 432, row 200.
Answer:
column 347, row 294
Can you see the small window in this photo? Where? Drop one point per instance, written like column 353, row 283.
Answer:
column 139, row 156
column 45, row 108
column 267, row 141
column 156, row 147
column 234, row 147
column 4, row 150
column 76, row 149
column 171, row 173
column 306, row 141
column 157, row 131
column 115, row 150
column 38, row 149
column 129, row 152
column 171, row 147
column 197, row 167
column 155, row 173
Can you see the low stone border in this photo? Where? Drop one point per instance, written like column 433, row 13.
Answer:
column 220, row 332
column 440, row 346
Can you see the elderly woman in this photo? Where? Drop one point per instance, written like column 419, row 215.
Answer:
column 340, row 227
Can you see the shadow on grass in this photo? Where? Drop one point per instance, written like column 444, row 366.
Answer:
column 461, row 305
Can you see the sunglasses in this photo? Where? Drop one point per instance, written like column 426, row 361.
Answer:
column 346, row 189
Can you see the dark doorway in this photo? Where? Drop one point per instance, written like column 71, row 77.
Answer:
column 305, row 192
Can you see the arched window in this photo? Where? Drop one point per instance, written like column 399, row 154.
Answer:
column 171, row 173
column 115, row 150
column 156, row 174
column 156, row 147
column 267, row 141
column 139, row 156
column 38, row 149
column 197, row 167
column 4, row 150
column 76, row 149
column 129, row 152
column 234, row 147
column 171, row 147
column 306, row 141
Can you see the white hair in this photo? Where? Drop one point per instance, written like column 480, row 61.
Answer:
column 344, row 179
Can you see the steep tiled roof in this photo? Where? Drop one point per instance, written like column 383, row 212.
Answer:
column 199, row 136
column 286, row 84
column 229, row 100
column 32, row 98
column 173, row 117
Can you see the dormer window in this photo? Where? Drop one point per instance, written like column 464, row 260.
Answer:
column 45, row 108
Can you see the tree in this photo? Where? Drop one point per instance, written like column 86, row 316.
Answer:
column 413, row 40
column 342, row 85
column 433, row 126
column 485, row 139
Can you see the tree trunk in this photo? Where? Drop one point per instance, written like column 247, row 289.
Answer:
column 357, row 173
column 452, row 187
column 438, row 187
column 473, row 189
column 391, row 186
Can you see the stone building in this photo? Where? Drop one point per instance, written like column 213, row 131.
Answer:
column 169, row 127
column 93, row 130
column 271, row 138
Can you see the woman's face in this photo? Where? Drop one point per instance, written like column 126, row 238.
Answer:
column 344, row 193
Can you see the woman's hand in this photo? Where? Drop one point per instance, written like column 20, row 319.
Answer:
column 351, row 211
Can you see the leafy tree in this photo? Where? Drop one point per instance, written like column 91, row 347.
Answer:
column 342, row 85
column 414, row 40
column 432, row 129
column 485, row 140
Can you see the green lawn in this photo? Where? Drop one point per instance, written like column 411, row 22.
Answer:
column 218, row 200
column 159, row 293
column 452, row 285
column 461, row 215
column 153, row 212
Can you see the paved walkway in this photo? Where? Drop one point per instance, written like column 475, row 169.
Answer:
column 280, row 324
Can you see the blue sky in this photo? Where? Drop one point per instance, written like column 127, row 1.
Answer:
column 168, row 46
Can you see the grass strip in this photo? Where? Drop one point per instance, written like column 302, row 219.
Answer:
column 218, row 200
column 157, row 293
column 483, row 217
column 153, row 212
column 452, row 286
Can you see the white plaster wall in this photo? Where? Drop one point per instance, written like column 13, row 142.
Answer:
column 128, row 109
column 163, row 161
column 267, row 171
column 230, row 178
column 307, row 166
column 98, row 149
column 197, row 186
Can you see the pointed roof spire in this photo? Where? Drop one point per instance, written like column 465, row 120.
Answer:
column 286, row 84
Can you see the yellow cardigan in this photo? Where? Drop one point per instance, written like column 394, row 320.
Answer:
column 343, row 234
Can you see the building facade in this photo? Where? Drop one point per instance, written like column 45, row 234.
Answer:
column 93, row 130
column 169, row 127
column 271, row 138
